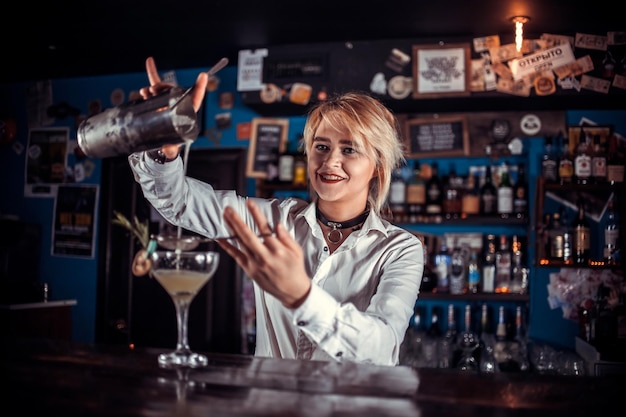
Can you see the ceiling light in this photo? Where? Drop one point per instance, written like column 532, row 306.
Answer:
column 519, row 22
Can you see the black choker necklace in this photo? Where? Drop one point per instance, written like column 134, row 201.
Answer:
column 335, row 235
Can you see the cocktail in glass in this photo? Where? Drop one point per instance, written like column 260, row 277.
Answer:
column 182, row 274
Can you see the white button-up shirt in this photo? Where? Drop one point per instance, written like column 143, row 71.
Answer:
column 363, row 294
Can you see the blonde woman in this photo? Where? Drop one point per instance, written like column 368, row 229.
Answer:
column 333, row 279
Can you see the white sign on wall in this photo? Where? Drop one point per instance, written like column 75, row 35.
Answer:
column 541, row 61
column 250, row 70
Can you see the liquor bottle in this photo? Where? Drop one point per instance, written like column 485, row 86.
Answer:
column 411, row 353
column 505, row 193
column 473, row 274
column 485, row 327
column 458, row 272
column 582, row 236
column 416, row 191
column 448, row 341
column 469, row 341
column 521, row 334
column 488, row 195
column 430, row 345
column 501, row 331
column 566, row 163
column 397, row 188
column 582, row 161
column 470, row 203
column 611, row 234
column 615, row 163
column 452, row 195
column 503, row 266
column 568, row 238
column 555, row 237
column 488, row 362
column 520, row 193
column 549, row 162
column 434, row 194
column 489, row 265
column 285, row 167
column 521, row 337
column 442, row 266
column 598, row 161
column 518, row 279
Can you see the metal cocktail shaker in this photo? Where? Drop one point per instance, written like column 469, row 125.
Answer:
column 168, row 118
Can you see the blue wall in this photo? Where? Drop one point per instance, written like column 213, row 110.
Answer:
column 76, row 278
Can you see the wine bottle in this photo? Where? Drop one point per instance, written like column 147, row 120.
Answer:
column 488, row 195
column 520, row 193
column 470, row 204
column 434, row 194
column 582, row 236
column 505, row 193
column 452, row 195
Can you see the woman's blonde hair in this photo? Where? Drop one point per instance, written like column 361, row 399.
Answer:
column 375, row 133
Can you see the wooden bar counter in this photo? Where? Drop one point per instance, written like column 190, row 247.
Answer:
column 68, row 379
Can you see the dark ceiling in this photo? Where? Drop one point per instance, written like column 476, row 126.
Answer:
column 60, row 39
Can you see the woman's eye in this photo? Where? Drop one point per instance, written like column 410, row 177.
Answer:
column 349, row 150
column 321, row 147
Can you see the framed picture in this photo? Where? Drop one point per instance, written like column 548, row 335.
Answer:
column 441, row 70
column 268, row 139
column 437, row 137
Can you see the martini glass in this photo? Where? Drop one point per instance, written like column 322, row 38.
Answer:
column 182, row 274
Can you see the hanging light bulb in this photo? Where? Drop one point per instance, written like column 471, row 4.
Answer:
column 519, row 30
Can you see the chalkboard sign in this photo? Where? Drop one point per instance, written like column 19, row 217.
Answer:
column 268, row 138
column 435, row 137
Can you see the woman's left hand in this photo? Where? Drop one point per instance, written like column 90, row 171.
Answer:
column 275, row 262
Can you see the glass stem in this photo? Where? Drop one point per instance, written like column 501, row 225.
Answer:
column 182, row 315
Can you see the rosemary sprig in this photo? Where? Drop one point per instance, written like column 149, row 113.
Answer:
column 139, row 230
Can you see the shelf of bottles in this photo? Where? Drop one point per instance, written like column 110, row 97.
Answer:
column 580, row 193
column 473, row 223
column 468, row 337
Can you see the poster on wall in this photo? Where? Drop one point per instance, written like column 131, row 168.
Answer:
column 74, row 221
column 46, row 161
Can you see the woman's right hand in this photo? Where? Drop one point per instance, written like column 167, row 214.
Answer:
column 157, row 86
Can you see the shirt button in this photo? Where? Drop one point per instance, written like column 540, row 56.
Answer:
column 302, row 323
column 339, row 354
column 325, row 248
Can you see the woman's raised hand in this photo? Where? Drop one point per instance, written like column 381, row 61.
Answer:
column 157, row 86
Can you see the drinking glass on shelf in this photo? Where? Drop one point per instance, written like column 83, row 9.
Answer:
column 182, row 274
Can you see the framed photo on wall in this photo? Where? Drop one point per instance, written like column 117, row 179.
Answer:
column 441, row 70
column 268, row 139
column 437, row 137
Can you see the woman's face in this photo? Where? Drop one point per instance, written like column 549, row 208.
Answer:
column 337, row 172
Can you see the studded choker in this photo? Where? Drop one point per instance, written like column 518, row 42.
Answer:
column 335, row 234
